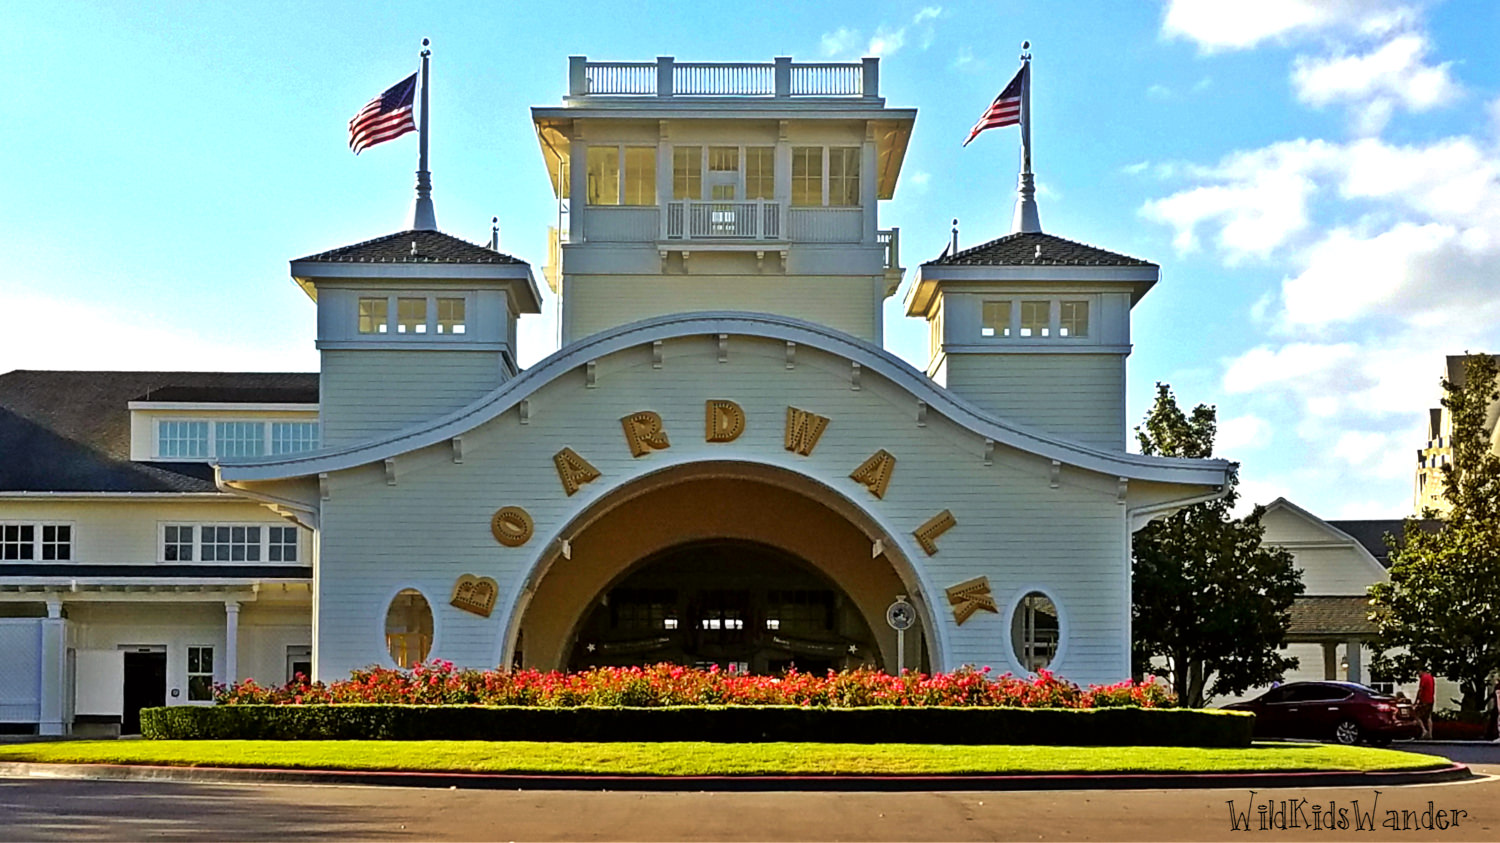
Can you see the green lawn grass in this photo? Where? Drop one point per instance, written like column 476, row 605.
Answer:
column 687, row 759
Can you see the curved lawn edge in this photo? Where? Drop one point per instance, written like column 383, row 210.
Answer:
column 723, row 760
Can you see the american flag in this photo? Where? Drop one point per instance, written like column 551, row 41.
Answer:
column 1005, row 110
column 386, row 117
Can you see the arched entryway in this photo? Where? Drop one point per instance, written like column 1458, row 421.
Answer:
column 735, row 542
column 740, row 605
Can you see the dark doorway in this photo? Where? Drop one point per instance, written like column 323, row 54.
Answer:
column 145, row 687
column 739, row 605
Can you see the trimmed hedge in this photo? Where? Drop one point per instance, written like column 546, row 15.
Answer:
column 732, row 724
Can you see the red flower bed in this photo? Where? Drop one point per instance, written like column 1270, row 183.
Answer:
column 440, row 683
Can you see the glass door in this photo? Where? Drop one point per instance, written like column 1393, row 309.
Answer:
column 724, row 192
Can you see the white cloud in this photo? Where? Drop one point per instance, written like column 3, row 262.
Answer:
column 928, row 13
column 886, row 42
column 1159, row 92
column 1241, row 433
column 919, row 180
column 1135, row 169
column 839, row 41
column 1375, row 83
column 1217, row 25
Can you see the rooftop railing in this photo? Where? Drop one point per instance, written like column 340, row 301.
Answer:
column 779, row 79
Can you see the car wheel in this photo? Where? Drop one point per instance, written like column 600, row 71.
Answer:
column 1346, row 732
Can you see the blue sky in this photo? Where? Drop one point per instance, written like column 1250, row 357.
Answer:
column 1319, row 179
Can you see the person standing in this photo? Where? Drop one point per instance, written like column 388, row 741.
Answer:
column 1492, row 706
column 1426, row 695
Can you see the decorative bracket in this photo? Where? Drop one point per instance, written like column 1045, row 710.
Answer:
column 791, row 354
column 1056, row 475
column 921, row 414
column 723, row 348
column 656, row 354
column 390, row 471
column 989, row 452
column 854, row 372
column 591, row 374
column 523, row 409
column 1122, row 490
column 324, row 493
column 458, row 450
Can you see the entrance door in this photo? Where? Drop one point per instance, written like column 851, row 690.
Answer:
column 725, row 219
column 145, row 686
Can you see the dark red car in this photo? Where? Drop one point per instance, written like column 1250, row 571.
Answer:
column 1343, row 712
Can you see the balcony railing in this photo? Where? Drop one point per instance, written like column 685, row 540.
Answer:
column 778, row 79
column 756, row 219
column 890, row 238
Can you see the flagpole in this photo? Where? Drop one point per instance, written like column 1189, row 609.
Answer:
column 423, row 217
column 1026, row 219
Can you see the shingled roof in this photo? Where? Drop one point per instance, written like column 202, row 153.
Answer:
column 70, row 431
column 1372, row 533
column 414, row 247
column 1313, row 617
column 1036, row 249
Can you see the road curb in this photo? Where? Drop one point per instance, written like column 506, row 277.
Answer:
column 504, row 781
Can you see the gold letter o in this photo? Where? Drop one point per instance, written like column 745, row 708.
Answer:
column 512, row 526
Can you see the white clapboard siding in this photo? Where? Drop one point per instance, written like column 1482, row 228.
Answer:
column 368, row 392
column 1076, row 396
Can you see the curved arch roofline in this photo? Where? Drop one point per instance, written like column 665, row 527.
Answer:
column 872, row 359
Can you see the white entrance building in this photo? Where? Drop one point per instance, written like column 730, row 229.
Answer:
column 721, row 465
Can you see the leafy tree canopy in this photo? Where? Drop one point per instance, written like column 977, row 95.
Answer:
column 1210, row 602
column 1440, row 611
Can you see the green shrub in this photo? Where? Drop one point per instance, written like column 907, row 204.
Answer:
column 876, row 724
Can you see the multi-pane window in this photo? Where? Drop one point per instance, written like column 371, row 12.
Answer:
column 643, row 609
column 293, row 437
column 177, row 543
column 17, row 541
column 200, row 674
column 843, row 176
column 995, row 319
column 1034, row 631
column 604, row 175
column 1036, row 318
column 687, row 172
column 411, row 316
column 800, row 611
column 640, row 175
column 807, row 175
column 229, row 543
column 760, row 172
column 374, row 315
column 219, row 543
column 240, row 438
column 723, row 159
column 281, row 544
column 450, row 316
column 1074, row 319
column 57, row 542
column 182, row 439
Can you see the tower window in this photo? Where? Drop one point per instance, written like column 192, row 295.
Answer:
column 374, row 315
column 760, row 172
column 450, row 316
column 687, row 172
column 411, row 316
column 604, row 175
column 807, row 175
column 640, row 175
column 1036, row 318
column 843, row 176
column 995, row 320
column 240, row 439
column 182, row 439
column 1074, row 319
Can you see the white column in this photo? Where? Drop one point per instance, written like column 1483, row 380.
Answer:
column 1352, row 651
column 54, row 669
column 869, row 185
column 231, row 641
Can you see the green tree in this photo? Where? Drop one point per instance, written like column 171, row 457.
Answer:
column 1210, row 602
column 1441, row 607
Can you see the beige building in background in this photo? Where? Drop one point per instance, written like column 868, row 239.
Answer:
column 1438, row 452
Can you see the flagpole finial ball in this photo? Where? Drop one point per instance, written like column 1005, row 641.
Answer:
column 1025, row 45
column 426, row 43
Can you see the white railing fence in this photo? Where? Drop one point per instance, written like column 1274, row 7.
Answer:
column 890, row 238
column 708, row 220
column 621, row 224
column 826, row 225
column 781, row 78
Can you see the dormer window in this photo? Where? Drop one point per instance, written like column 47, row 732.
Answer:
column 450, row 316
column 374, row 317
column 996, row 319
column 182, row 440
column 199, row 441
column 1036, row 319
column 411, row 316
column 1073, row 319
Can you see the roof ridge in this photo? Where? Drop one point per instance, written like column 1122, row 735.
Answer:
column 1083, row 254
column 461, row 250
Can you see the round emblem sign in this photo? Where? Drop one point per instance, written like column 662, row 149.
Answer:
column 901, row 615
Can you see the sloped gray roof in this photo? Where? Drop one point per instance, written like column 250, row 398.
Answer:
column 1330, row 616
column 70, row 431
column 1372, row 532
column 1036, row 249
column 430, row 247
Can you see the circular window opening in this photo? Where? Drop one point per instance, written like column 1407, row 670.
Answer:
column 1034, row 631
column 408, row 628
